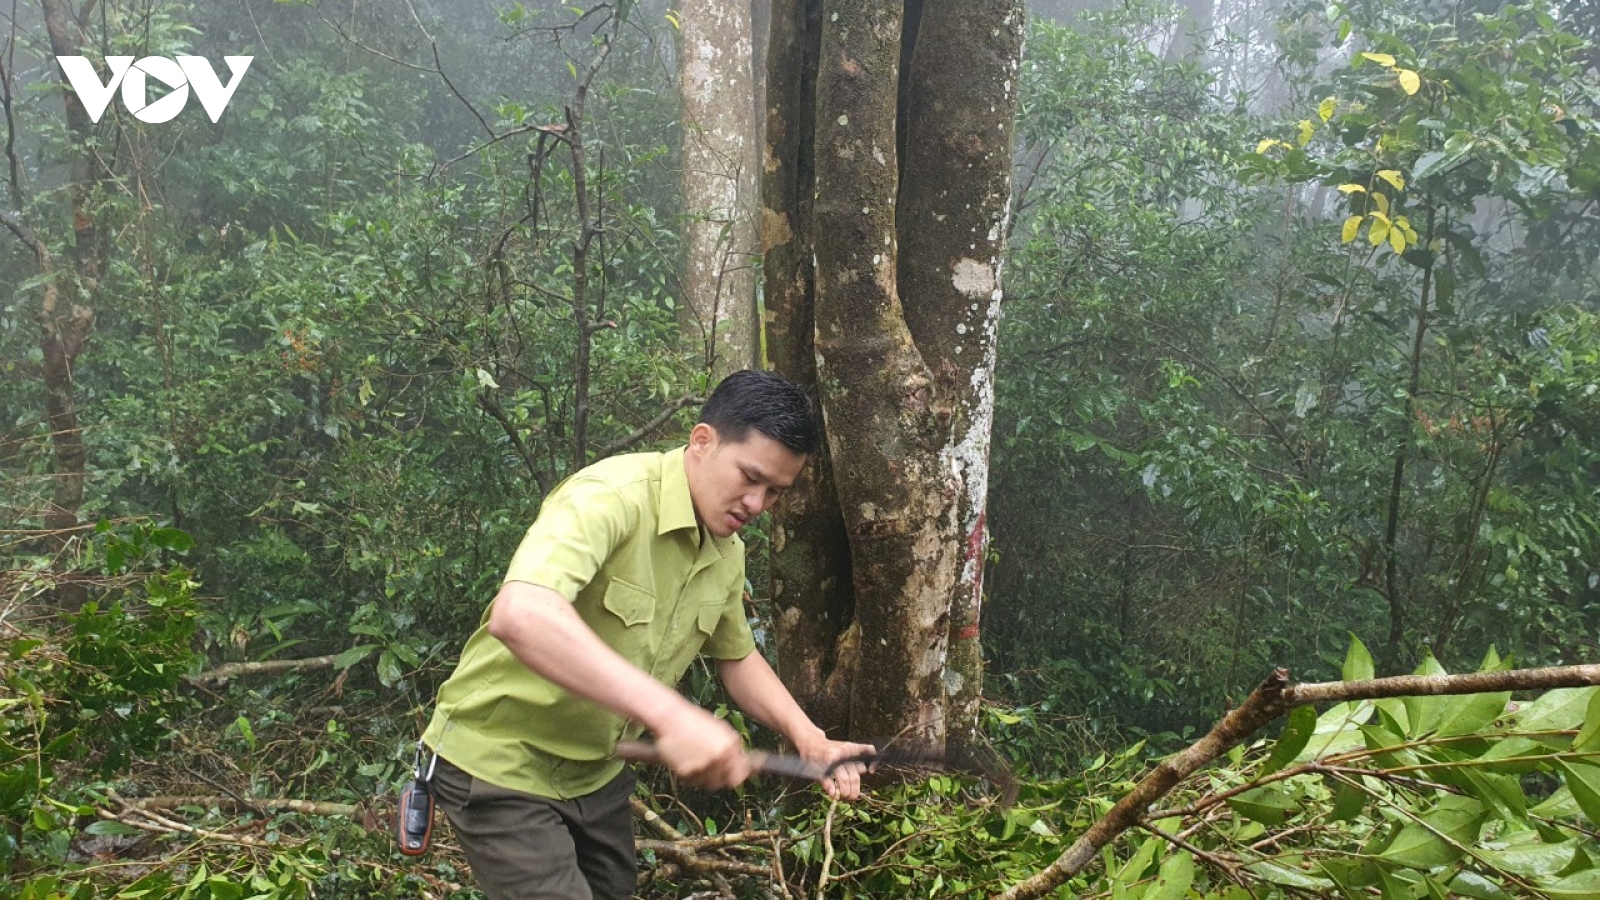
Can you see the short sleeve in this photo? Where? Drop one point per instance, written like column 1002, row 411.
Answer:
column 579, row 525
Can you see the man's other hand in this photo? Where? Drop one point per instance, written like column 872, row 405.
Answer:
column 845, row 781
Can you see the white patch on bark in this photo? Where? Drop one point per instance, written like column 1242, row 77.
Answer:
column 973, row 279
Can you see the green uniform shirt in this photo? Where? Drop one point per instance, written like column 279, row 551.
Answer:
column 620, row 540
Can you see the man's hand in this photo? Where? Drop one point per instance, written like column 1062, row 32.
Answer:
column 702, row 749
column 845, row 782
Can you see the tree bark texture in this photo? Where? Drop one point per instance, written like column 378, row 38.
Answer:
column 715, row 83
column 811, row 583
column 903, row 303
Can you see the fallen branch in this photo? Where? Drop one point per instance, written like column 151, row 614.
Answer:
column 234, row 670
column 149, row 820
column 1270, row 700
column 305, row 807
column 687, row 858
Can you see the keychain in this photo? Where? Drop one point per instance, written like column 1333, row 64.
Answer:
column 414, row 815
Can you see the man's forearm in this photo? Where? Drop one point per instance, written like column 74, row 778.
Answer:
column 757, row 690
column 541, row 628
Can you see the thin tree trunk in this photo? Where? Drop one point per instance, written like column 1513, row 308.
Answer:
column 67, row 314
column 1391, row 534
column 720, row 152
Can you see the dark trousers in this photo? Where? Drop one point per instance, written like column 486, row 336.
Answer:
column 523, row 847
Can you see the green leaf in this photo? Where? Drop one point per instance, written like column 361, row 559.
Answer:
column 1348, row 802
column 1562, row 709
column 1267, row 804
column 389, row 671
column 172, row 539
column 1133, row 870
column 1583, row 779
column 110, row 827
column 1296, row 735
column 354, row 655
column 1174, row 878
column 1517, row 748
column 1471, row 713
column 1440, row 837
column 1423, row 713
column 1559, row 805
column 1503, row 793
column 1280, row 873
column 1583, row 885
column 1358, row 661
column 1477, row 887
column 1589, row 735
column 1529, row 857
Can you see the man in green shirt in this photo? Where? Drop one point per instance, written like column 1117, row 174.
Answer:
column 633, row 567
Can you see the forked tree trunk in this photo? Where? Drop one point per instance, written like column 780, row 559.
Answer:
column 715, row 83
column 902, row 307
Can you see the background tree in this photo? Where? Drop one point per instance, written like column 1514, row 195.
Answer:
column 716, row 89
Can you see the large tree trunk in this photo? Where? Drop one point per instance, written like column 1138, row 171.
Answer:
column 903, row 305
column 715, row 83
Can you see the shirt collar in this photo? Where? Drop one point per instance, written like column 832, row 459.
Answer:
column 676, row 507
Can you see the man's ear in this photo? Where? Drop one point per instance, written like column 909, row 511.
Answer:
column 702, row 438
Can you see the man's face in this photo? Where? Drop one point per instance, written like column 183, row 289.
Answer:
column 732, row 483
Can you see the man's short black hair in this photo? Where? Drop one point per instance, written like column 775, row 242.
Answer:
column 767, row 403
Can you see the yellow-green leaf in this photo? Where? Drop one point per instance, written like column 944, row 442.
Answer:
column 1394, row 177
column 1378, row 232
column 1327, row 108
column 1306, row 131
column 1352, row 227
column 1351, row 188
column 1383, row 202
column 1410, row 81
column 1267, row 144
column 1397, row 240
column 1382, row 59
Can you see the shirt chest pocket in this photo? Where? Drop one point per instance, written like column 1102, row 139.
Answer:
column 627, row 626
column 710, row 615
